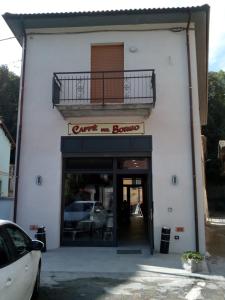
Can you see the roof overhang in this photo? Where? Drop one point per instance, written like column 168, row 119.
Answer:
column 7, row 134
column 21, row 23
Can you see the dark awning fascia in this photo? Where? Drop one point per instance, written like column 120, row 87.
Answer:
column 112, row 146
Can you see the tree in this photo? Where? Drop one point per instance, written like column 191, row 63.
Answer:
column 9, row 94
column 215, row 129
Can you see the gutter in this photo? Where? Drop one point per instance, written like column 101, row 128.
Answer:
column 19, row 125
column 192, row 134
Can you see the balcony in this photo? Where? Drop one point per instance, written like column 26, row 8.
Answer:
column 109, row 93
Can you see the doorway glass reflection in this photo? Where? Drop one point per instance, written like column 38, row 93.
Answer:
column 88, row 207
column 132, row 211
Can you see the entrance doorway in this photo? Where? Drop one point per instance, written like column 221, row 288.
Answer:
column 106, row 201
column 132, row 210
column 107, row 64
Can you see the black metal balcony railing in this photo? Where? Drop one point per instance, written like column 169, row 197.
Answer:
column 114, row 87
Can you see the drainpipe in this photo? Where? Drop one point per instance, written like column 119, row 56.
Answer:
column 19, row 125
column 192, row 135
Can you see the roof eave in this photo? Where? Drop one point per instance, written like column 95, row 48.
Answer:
column 18, row 23
column 7, row 134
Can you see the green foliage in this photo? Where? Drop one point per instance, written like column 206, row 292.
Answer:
column 193, row 255
column 215, row 129
column 9, row 94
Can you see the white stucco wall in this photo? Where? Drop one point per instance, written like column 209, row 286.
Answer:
column 6, row 208
column 5, row 148
column 168, row 124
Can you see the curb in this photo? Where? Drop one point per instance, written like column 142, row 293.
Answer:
column 75, row 275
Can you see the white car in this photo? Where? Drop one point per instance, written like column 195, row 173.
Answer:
column 20, row 263
column 82, row 210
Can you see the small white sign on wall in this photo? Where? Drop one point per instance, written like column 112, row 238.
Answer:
column 105, row 128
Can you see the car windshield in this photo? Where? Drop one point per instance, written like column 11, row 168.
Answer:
column 79, row 207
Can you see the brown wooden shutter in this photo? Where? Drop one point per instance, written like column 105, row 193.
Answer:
column 107, row 87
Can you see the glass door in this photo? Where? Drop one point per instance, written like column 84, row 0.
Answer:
column 132, row 211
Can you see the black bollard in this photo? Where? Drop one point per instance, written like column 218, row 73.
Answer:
column 165, row 240
column 41, row 236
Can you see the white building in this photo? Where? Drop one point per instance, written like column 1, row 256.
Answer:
column 6, row 144
column 109, row 134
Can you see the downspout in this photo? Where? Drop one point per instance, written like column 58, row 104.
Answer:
column 192, row 135
column 19, row 125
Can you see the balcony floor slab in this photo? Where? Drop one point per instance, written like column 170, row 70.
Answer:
column 71, row 110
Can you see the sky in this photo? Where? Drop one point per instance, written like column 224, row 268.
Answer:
column 10, row 50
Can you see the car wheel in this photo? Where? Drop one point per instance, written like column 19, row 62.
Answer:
column 37, row 283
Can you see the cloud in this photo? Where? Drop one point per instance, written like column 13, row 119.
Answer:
column 217, row 62
column 217, row 35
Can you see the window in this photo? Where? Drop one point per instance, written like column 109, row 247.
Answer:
column 88, row 208
column 19, row 239
column 132, row 181
column 4, row 253
column 134, row 163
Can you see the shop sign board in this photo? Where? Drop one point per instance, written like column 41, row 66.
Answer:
column 105, row 128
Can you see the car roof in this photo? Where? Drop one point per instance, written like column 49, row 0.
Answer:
column 2, row 222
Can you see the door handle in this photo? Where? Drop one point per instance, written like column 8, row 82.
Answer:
column 26, row 268
column 9, row 282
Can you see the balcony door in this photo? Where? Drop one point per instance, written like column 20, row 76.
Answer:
column 106, row 81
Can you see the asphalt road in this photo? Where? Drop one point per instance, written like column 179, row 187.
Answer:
column 154, row 287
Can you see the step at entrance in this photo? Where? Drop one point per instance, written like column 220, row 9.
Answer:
column 129, row 251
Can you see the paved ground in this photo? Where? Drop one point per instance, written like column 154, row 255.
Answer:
column 215, row 244
column 100, row 260
column 215, row 238
column 102, row 274
column 154, row 287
